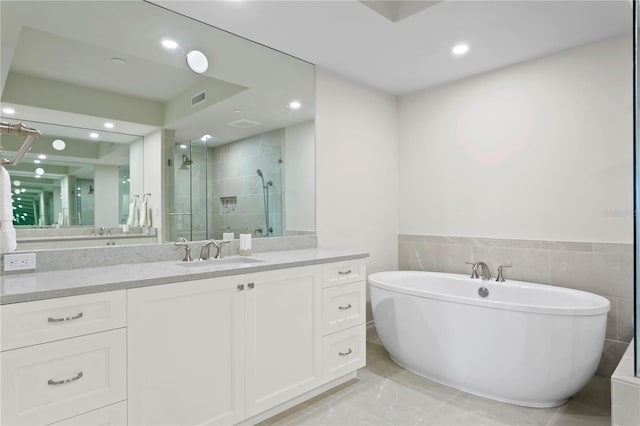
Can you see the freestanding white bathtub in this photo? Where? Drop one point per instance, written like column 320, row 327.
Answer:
column 526, row 344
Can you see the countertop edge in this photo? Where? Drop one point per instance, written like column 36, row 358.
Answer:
column 196, row 275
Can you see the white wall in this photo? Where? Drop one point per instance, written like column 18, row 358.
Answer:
column 357, row 169
column 155, row 177
column 106, row 184
column 299, row 178
column 540, row 150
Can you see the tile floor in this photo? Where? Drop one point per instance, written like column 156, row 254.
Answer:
column 385, row 394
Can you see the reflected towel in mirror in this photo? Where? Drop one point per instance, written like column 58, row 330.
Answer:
column 7, row 231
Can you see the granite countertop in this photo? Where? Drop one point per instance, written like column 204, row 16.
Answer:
column 24, row 287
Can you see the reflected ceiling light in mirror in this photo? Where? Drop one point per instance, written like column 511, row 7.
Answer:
column 205, row 138
column 17, row 182
column 94, row 135
column 108, row 125
column 169, row 44
column 295, row 104
column 58, row 145
column 37, row 161
column 17, row 191
column 42, row 156
column 19, row 198
column 460, row 49
column 197, row 61
column 8, row 110
column 37, row 176
column 23, row 190
column 40, row 171
column 183, row 146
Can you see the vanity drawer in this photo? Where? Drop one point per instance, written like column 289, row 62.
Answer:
column 31, row 323
column 343, row 306
column 113, row 415
column 46, row 383
column 344, row 352
column 343, row 272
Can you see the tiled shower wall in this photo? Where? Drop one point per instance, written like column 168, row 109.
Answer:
column 232, row 173
column 602, row 268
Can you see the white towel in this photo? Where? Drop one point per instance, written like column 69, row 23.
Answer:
column 60, row 218
column 7, row 231
column 145, row 212
column 133, row 212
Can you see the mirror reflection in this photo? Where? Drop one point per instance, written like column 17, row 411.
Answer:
column 204, row 123
column 75, row 177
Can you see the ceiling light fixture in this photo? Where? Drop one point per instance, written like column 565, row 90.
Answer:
column 23, row 190
column 169, row 44
column 197, row 61
column 183, row 146
column 40, row 171
column 17, row 182
column 295, row 104
column 58, row 145
column 36, row 161
column 17, row 191
column 8, row 110
column 205, row 138
column 94, row 135
column 37, row 176
column 108, row 125
column 460, row 49
column 42, row 156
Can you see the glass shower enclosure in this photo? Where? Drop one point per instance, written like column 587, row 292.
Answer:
column 236, row 187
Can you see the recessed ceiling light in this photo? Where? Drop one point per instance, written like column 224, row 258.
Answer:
column 197, row 61
column 36, row 161
column 40, row 171
column 108, row 125
column 23, row 190
column 58, row 144
column 205, row 138
column 17, row 182
column 238, row 110
column 183, row 146
column 8, row 110
column 19, row 198
column 118, row 61
column 94, row 135
column 169, row 44
column 295, row 104
column 37, row 176
column 17, row 191
column 42, row 156
column 460, row 49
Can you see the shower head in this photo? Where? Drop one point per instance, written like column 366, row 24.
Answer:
column 186, row 162
column 259, row 172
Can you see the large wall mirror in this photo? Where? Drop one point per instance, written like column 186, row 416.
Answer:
column 221, row 149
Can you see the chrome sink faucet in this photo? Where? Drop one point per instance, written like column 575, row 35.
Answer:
column 206, row 247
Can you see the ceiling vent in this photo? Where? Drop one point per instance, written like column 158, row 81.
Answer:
column 198, row 98
column 244, row 124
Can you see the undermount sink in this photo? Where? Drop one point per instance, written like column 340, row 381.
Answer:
column 223, row 261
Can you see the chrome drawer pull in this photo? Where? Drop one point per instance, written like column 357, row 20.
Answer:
column 344, row 308
column 347, row 272
column 240, row 287
column 345, row 353
column 65, row 319
column 251, row 285
column 52, row 382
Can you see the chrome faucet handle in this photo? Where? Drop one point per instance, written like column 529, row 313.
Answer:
column 220, row 243
column 474, row 269
column 500, row 277
column 206, row 247
column 187, row 249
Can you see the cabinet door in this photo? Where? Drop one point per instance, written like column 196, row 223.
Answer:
column 185, row 353
column 283, row 340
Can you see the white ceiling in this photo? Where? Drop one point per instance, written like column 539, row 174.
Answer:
column 353, row 40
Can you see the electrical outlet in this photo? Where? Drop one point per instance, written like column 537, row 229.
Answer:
column 19, row 262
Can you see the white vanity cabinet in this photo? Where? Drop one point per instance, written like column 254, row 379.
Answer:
column 63, row 358
column 220, row 350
